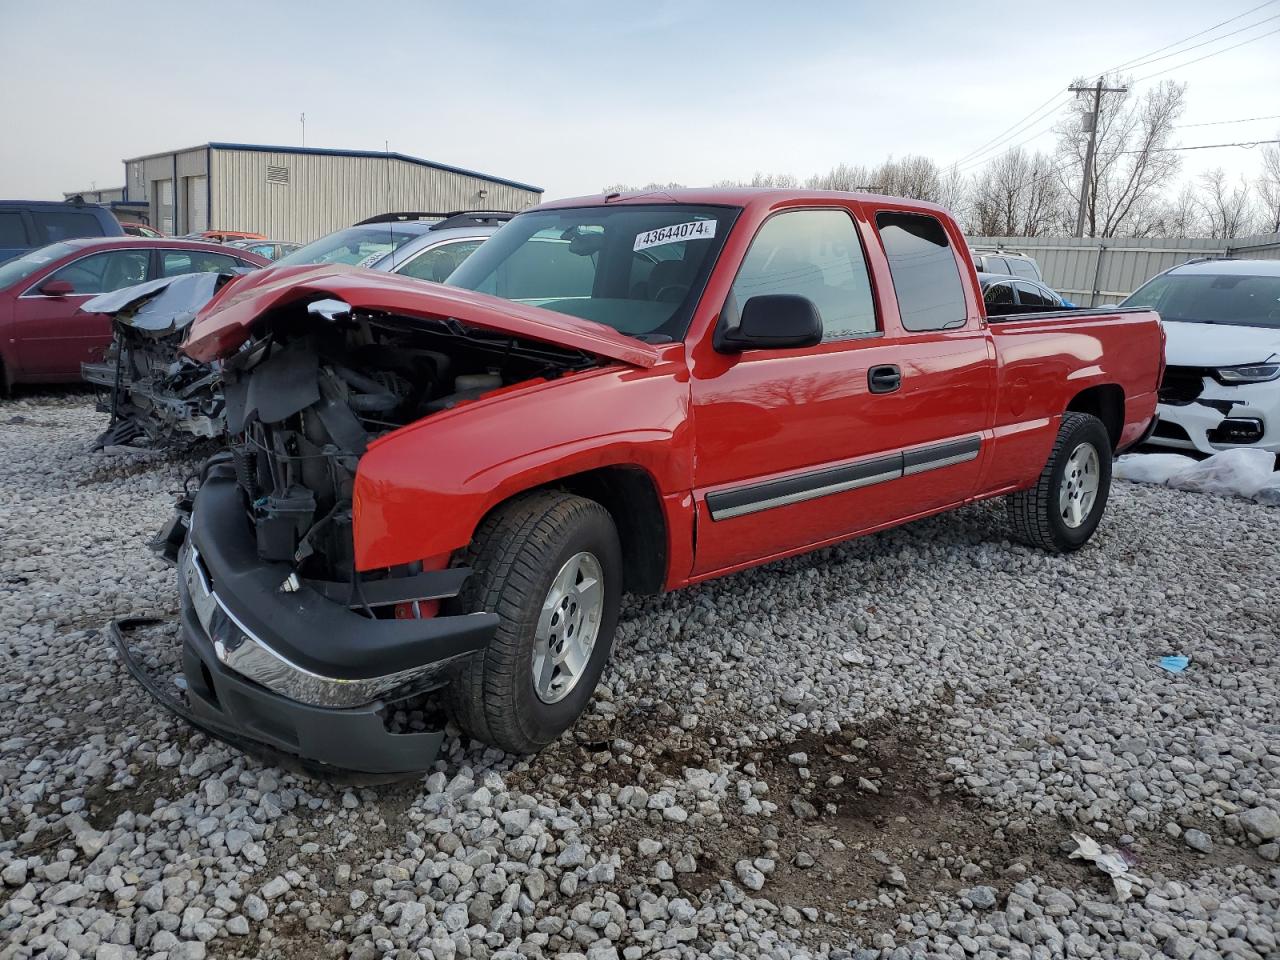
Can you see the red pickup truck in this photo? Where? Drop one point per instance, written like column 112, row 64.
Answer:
column 440, row 492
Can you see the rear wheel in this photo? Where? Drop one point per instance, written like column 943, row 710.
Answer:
column 1061, row 512
column 549, row 564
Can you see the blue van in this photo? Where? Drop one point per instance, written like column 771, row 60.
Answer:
column 27, row 224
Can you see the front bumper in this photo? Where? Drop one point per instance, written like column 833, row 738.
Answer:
column 276, row 660
column 1223, row 418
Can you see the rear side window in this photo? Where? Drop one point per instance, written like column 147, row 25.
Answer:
column 995, row 265
column 814, row 254
column 12, row 233
column 925, row 276
column 174, row 263
column 1023, row 268
column 55, row 225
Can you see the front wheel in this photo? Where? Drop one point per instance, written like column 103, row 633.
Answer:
column 550, row 565
column 1061, row 512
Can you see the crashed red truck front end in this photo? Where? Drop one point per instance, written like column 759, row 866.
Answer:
column 317, row 541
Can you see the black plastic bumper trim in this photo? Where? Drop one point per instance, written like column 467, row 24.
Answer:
column 353, row 738
column 303, row 626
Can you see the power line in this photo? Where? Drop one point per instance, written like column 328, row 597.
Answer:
column 1203, row 43
column 1034, row 114
column 982, row 156
column 1248, row 144
column 979, row 155
column 1179, row 66
column 1178, row 43
column 1218, row 123
column 1012, row 127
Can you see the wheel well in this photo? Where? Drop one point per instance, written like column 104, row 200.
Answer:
column 1106, row 402
column 631, row 497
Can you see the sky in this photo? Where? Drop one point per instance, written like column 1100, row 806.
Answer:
column 574, row 96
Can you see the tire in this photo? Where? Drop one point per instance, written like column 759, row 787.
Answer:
column 517, row 556
column 1037, row 514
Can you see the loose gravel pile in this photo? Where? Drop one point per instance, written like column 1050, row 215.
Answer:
column 879, row 750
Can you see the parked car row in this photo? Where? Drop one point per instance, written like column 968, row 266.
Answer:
column 156, row 394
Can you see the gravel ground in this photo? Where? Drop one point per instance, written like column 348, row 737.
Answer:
column 879, row 750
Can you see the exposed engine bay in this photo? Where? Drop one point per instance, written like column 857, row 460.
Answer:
column 318, row 382
column 155, row 395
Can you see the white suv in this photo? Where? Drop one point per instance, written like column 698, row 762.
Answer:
column 1221, row 388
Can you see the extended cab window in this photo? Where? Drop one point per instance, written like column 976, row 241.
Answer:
column 814, row 254
column 925, row 276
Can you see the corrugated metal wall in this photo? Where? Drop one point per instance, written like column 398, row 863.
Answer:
column 325, row 193
column 1092, row 271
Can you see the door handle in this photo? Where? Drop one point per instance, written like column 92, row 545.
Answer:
column 885, row 378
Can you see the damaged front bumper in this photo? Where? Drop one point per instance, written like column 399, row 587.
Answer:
column 287, row 663
column 1206, row 416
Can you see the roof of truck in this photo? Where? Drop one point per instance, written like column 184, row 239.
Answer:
column 739, row 197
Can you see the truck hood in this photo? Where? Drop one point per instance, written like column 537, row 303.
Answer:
column 226, row 322
column 1218, row 344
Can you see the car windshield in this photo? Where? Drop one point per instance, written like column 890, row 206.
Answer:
column 22, row 267
column 637, row 268
column 1239, row 299
column 363, row 246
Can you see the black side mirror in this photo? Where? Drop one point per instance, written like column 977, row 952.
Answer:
column 773, row 321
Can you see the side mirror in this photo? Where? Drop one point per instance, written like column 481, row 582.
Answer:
column 57, row 288
column 773, row 321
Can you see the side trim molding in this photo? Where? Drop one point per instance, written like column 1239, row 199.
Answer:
column 726, row 504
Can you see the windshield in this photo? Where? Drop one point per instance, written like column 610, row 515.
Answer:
column 637, row 268
column 19, row 269
column 1237, row 299
column 363, row 246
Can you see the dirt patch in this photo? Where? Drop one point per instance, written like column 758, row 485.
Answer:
column 869, row 825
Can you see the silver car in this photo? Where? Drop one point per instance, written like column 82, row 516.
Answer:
column 405, row 243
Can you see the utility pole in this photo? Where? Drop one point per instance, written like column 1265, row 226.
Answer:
column 1091, row 121
column 303, row 118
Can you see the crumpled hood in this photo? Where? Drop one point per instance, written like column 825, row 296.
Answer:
column 162, row 306
column 1218, row 344
column 226, row 322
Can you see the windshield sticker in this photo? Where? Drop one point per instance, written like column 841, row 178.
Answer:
column 693, row 230
column 371, row 259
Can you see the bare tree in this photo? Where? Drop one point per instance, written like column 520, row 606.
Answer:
column 1182, row 215
column 1132, row 162
column 647, row 188
column 1015, row 195
column 912, row 176
column 1268, row 186
column 1228, row 210
column 841, row 177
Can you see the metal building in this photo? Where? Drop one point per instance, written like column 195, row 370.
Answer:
column 301, row 193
